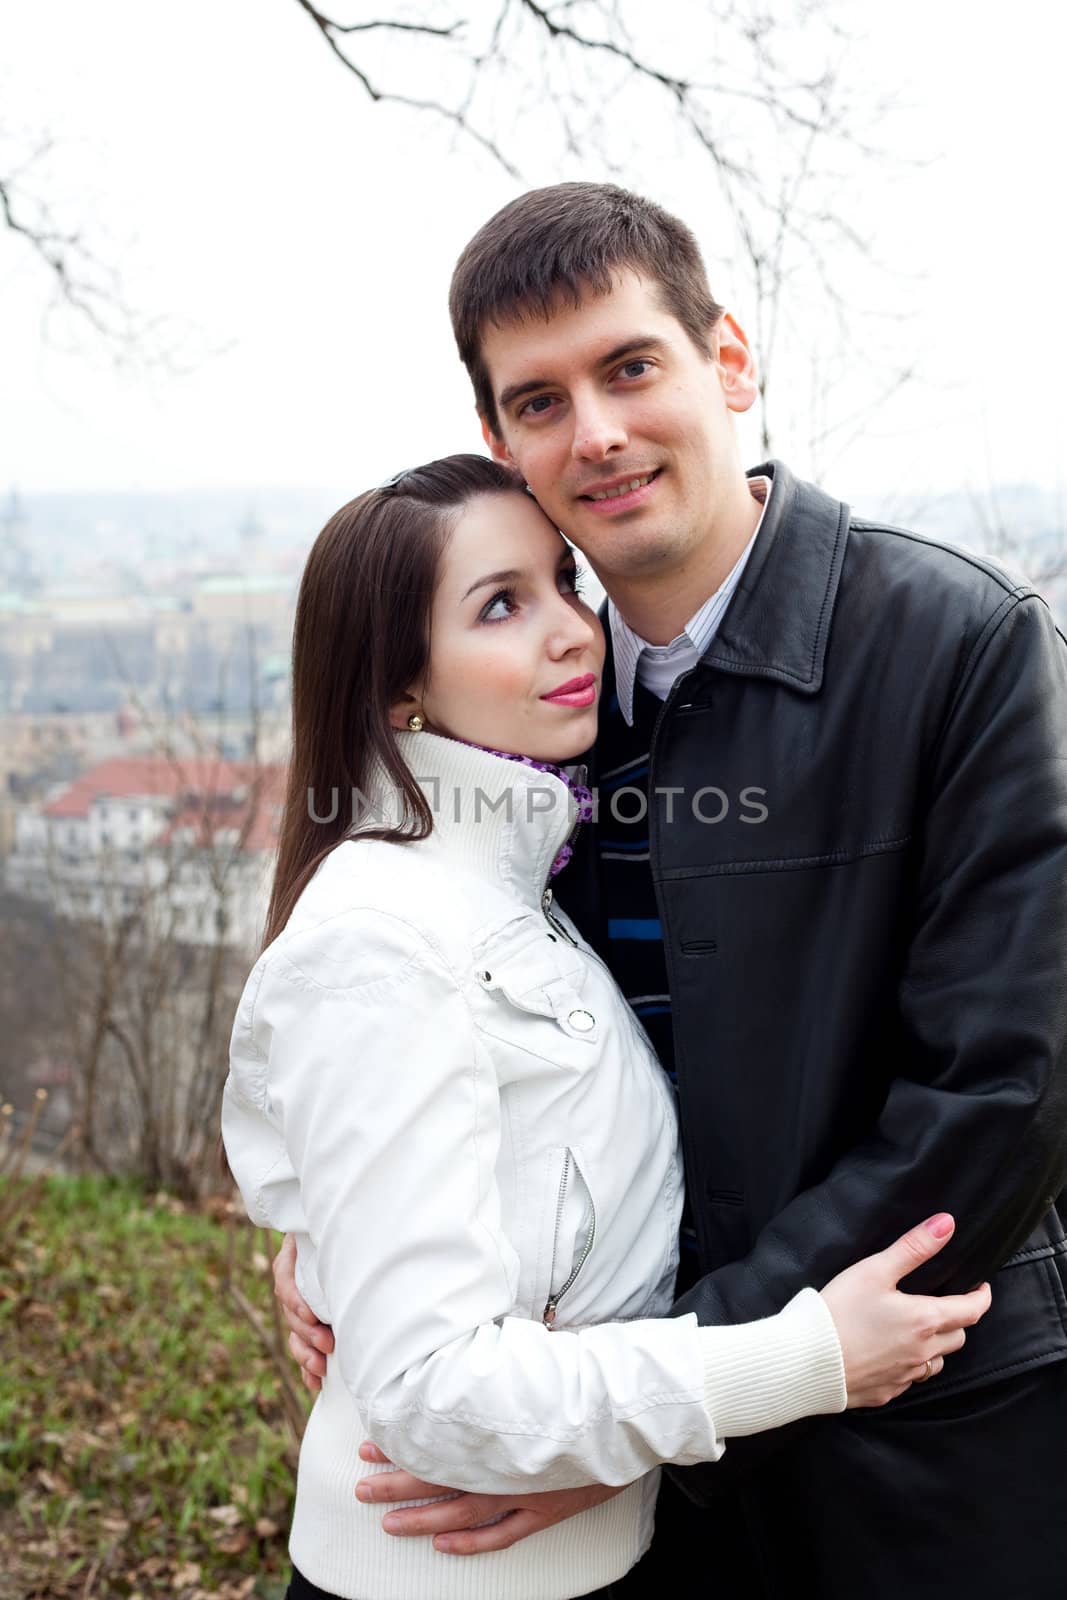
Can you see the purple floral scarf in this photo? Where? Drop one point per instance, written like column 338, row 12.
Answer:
column 583, row 795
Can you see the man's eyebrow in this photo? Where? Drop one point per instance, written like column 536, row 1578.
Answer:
column 641, row 341
column 494, row 577
column 518, row 391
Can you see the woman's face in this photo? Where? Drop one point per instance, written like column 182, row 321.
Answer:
column 515, row 655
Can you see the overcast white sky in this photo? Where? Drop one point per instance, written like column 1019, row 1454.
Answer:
column 249, row 190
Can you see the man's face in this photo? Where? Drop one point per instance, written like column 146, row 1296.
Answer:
column 620, row 425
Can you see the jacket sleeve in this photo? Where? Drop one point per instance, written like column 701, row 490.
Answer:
column 975, row 1122
column 357, row 1045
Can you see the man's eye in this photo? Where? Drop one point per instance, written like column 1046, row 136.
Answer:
column 636, row 369
column 499, row 608
column 537, row 406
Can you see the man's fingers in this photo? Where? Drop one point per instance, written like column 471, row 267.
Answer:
column 284, row 1263
column 918, row 1245
column 368, row 1451
column 458, row 1512
column 308, row 1358
column 502, row 1535
column 298, row 1314
column 388, row 1487
column 283, row 1268
column 299, row 1348
column 309, row 1333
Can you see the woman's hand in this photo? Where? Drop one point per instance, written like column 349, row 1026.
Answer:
column 891, row 1340
column 471, row 1524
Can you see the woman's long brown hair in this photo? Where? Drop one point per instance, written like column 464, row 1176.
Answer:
column 360, row 638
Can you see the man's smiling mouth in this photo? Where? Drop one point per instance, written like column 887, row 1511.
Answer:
column 627, row 486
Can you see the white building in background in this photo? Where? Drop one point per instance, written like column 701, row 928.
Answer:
column 186, row 844
column 202, row 649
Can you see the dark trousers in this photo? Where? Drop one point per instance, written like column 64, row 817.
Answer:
column 965, row 1495
column 301, row 1589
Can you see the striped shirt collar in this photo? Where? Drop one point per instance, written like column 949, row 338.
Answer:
column 658, row 667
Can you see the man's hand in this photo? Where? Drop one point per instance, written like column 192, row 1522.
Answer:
column 310, row 1341
column 458, row 1524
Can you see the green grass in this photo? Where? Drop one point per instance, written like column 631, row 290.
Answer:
column 143, row 1446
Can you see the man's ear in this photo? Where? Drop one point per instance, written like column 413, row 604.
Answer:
column 733, row 357
column 497, row 448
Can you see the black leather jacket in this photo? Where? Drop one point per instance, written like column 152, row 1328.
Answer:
column 869, row 985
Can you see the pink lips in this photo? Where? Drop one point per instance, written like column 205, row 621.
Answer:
column 575, row 692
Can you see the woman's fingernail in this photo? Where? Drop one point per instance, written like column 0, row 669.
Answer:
column 392, row 1523
column 364, row 1490
column 442, row 1542
column 940, row 1225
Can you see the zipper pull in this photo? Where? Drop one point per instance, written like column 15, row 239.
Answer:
column 554, row 922
column 549, row 1315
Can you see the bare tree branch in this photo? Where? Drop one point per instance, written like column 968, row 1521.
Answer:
column 1043, row 566
column 458, row 117
column 83, row 281
column 59, row 251
column 392, row 24
column 784, row 144
column 590, row 73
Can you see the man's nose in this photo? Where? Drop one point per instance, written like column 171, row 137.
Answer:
column 598, row 430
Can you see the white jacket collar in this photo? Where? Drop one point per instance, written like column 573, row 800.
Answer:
column 505, row 821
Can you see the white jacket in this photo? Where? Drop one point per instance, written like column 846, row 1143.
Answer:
column 437, row 1086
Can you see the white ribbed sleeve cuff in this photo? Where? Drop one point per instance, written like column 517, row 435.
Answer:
column 764, row 1374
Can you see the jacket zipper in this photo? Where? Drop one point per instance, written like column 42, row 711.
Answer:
column 546, row 896
column 590, row 955
column 546, row 907
column 548, row 1316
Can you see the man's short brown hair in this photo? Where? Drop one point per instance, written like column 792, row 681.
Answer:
column 560, row 243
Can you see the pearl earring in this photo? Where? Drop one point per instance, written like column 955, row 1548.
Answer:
column 415, row 722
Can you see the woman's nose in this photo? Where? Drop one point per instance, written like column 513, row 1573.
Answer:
column 571, row 630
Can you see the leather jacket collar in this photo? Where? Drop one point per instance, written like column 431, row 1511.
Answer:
column 778, row 623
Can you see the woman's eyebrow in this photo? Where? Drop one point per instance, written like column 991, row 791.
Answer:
column 495, row 577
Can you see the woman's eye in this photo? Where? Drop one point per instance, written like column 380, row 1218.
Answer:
column 572, row 579
column 499, row 608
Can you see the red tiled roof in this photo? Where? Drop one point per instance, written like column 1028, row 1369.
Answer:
column 257, row 824
column 184, row 782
